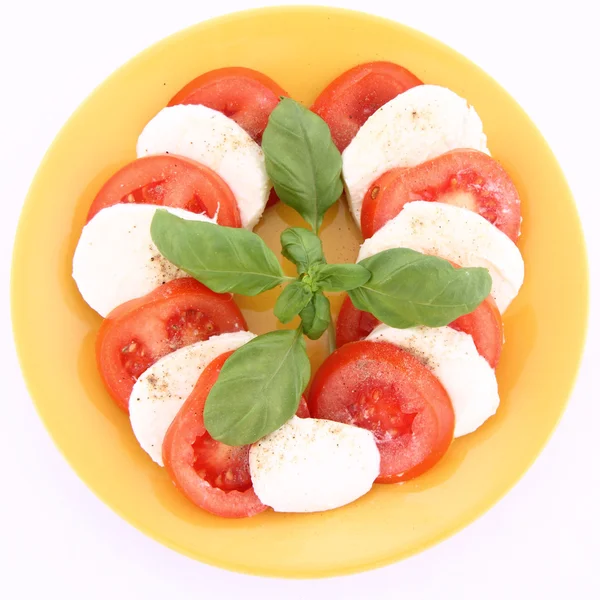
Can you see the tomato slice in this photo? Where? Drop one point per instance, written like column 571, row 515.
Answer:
column 213, row 475
column 484, row 325
column 167, row 180
column 244, row 95
column 350, row 99
column 382, row 388
column 139, row 332
column 466, row 178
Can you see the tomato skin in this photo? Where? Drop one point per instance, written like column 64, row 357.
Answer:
column 245, row 95
column 353, row 324
column 386, row 390
column 212, row 475
column 350, row 99
column 173, row 181
column 180, row 458
column 484, row 325
column 442, row 179
column 138, row 333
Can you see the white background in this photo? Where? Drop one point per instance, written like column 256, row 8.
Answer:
column 57, row 539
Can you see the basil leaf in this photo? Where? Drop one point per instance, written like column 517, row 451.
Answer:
column 225, row 259
column 291, row 301
column 339, row 278
column 316, row 316
column 302, row 247
column 408, row 288
column 258, row 389
column 302, row 161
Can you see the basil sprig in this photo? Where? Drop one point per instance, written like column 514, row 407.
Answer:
column 261, row 383
column 316, row 316
column 339, row 278
column 408, row 288
column 302, row 247
column 258, row 389
column 292, row 300
column 302, row 161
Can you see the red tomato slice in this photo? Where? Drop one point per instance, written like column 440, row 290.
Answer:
column 167, row 180
column 214, row 476
column 382, row 388
column 245, row 95
column 466, row 178
column 350, row 99
column 139, row 332
column 484, row 325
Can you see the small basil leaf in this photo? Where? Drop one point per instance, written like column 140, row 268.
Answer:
column 258, row 389
column 291, row 301
column 339, row 278
column 316, row 316
column 225, row 259
column 302, row 247
column 302, row 161
column 408, row 288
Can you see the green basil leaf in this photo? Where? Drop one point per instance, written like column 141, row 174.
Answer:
column 316, row 316
column 225, row 259
column 258, row 389
column 291, row 301
column 302, row 247
column 408, row 288
column 339, row 278
column 302, row 161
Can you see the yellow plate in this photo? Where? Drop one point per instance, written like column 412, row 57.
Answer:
column 302, row 49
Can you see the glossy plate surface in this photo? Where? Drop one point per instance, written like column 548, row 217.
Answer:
column 302, row 49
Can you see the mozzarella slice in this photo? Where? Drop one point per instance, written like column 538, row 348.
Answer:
column 162, row 389
column 452, row 357
column 456, row 234
column 218, row 142
column 310, row 465
column 416, row 126
column 116, row 259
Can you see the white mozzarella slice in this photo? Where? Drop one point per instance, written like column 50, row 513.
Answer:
column 218, row 142
column 452, row 357
column 415, row 126
column 311, row 465
column 162, row 389
column 116, row 259
column 456, row 234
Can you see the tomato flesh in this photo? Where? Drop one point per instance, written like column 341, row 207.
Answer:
column 168, row 180
column 213, row 475
column 222, row 466
column 246, row 96
column 350, row 99
column 138, row 333
column 484, row 325
column 382, row 388
column 465, row 178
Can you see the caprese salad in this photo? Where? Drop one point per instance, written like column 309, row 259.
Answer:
column 168, row 241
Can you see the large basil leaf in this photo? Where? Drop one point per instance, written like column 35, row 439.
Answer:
column 258, row 389
column 316, row 316
column 408, row 288
column 302, row 161
column 302, row 247
column 225, row 259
